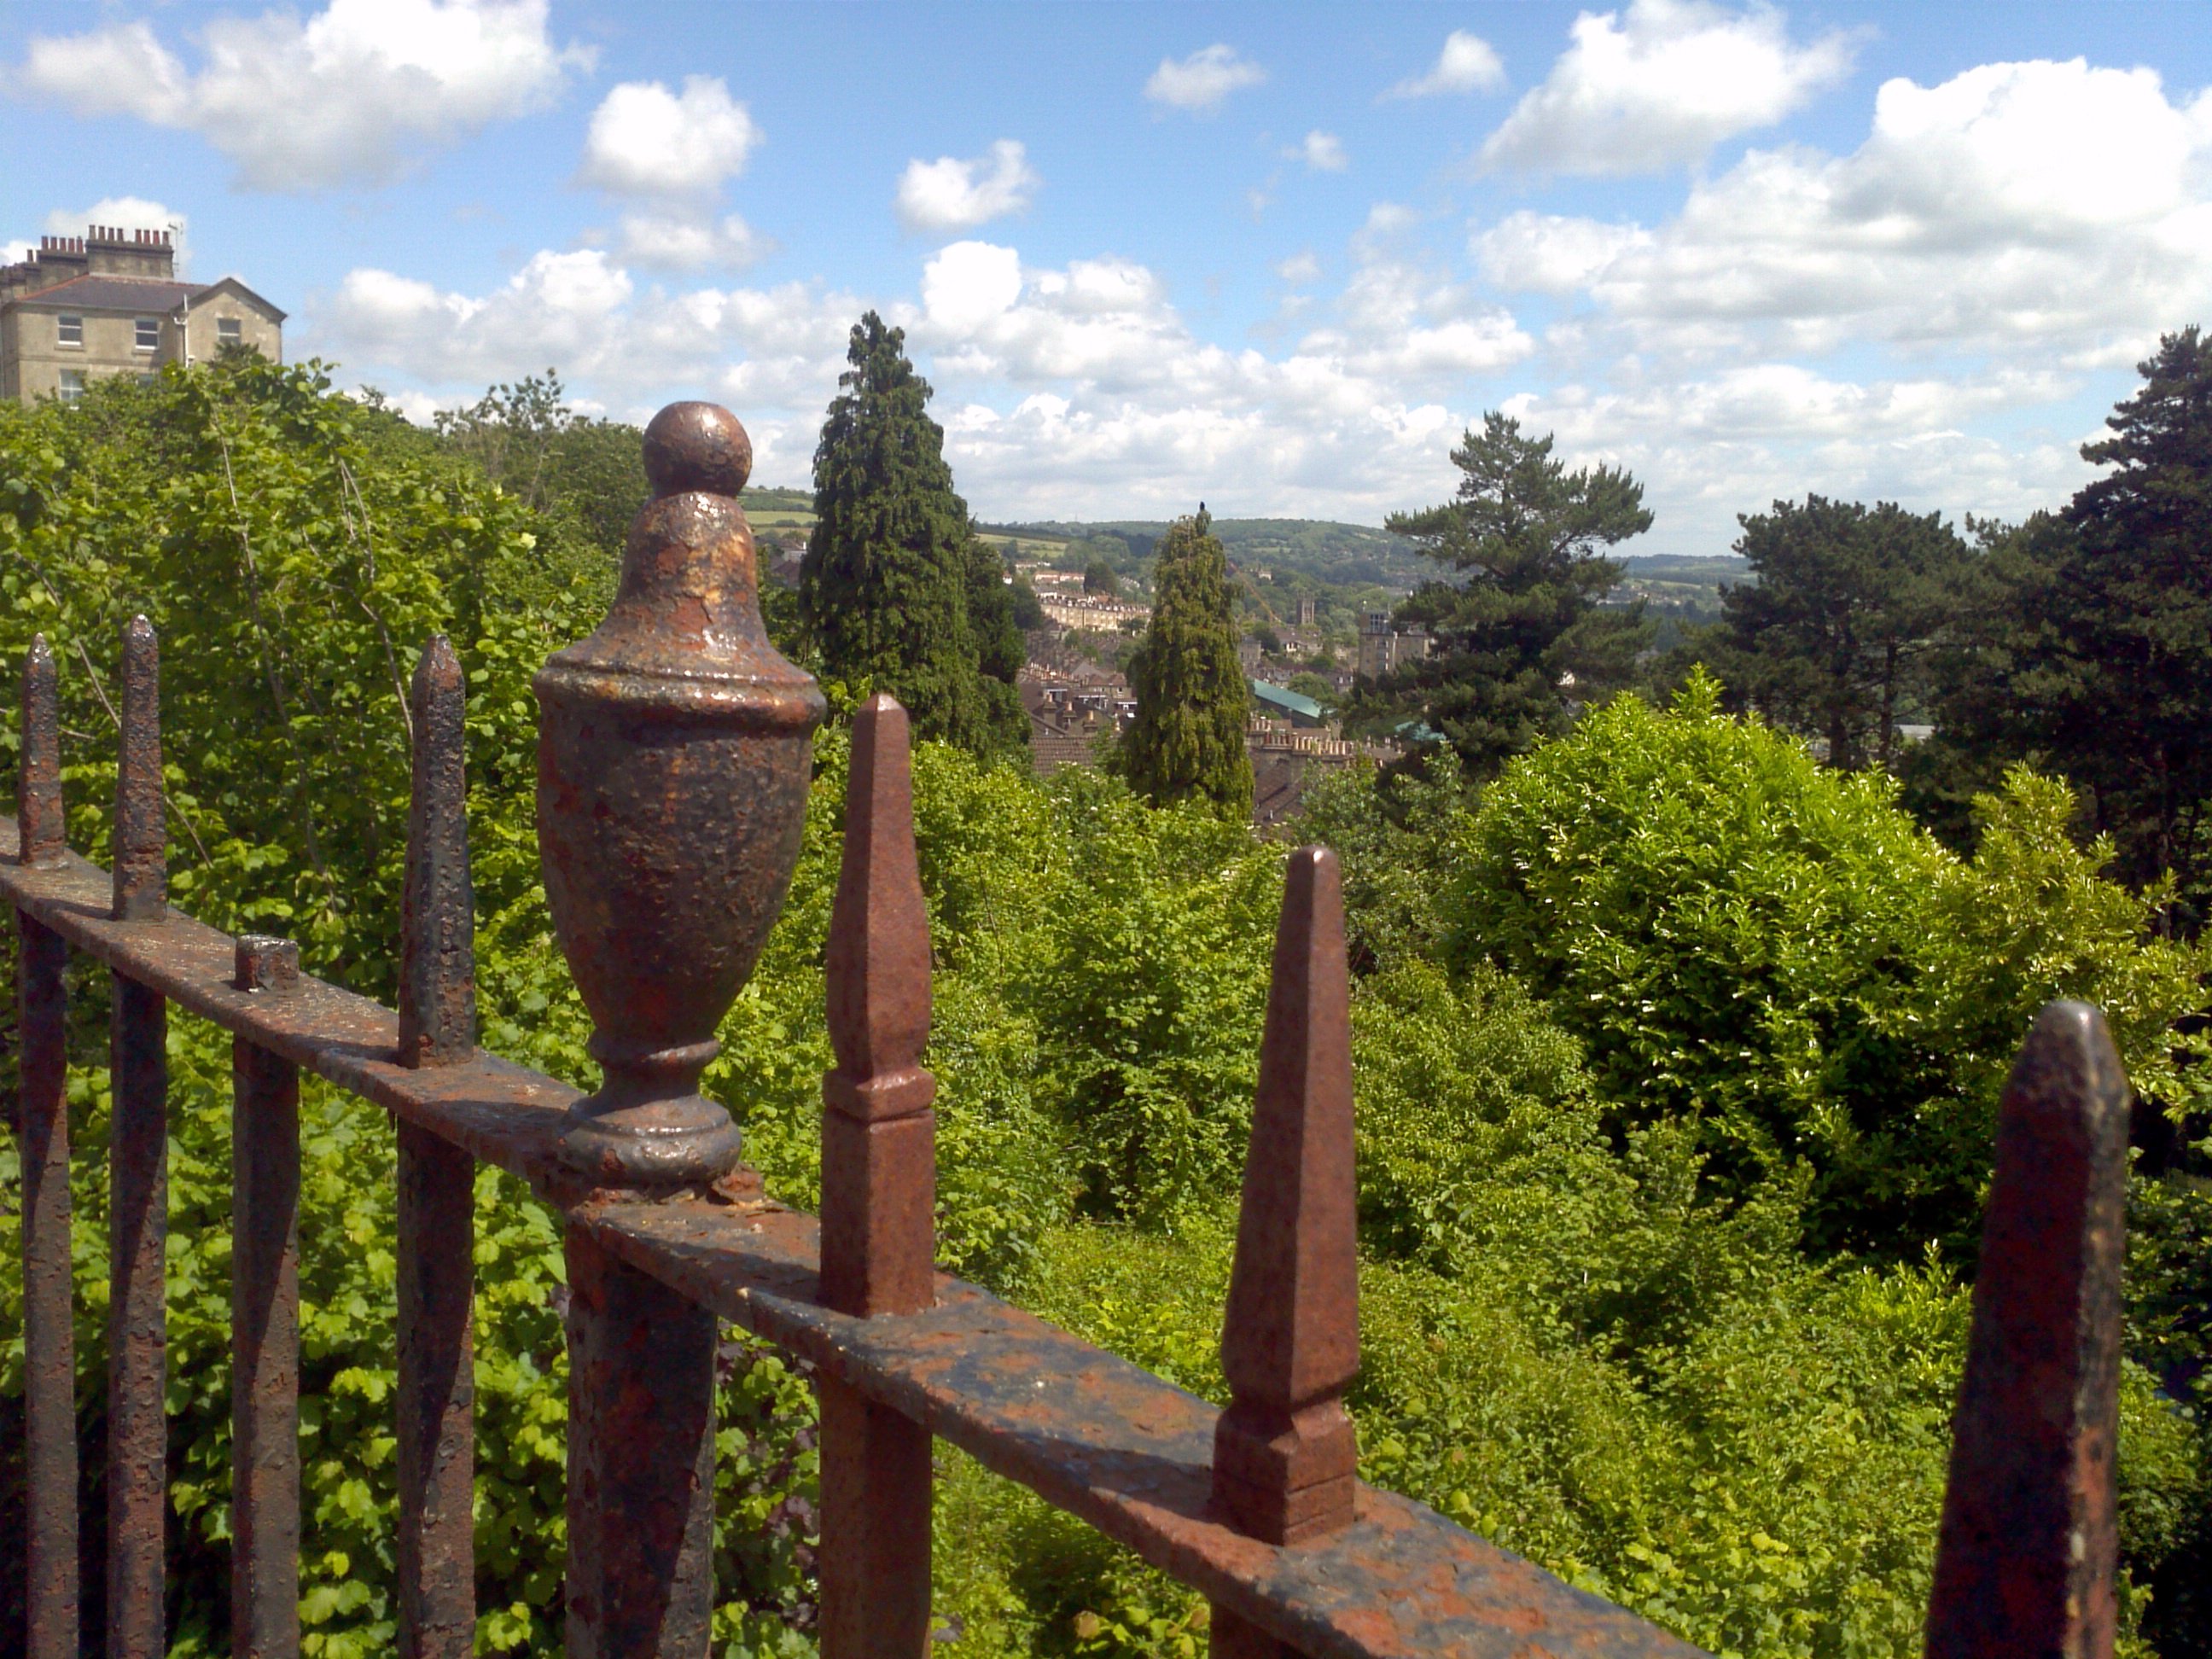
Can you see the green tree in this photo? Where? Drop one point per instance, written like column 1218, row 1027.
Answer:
column 1098, row 578
column 1188, row 740
column 2090, row 649
column 891, row 569
column 1520, row 637
column 1834, row 636
column 999, row 650
column 1028, row 609
column 586, row 476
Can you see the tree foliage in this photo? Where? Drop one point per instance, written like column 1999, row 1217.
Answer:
column 1833, row 636
column 2089, row 646
column 1520, row 637
column 1771, row 950
column 1632, row 1026
column 893, row 564
column 1186, row 742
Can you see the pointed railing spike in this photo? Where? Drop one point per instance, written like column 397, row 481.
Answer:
column 437, row 1185
column 437, row 964
column 878, row 1155
column 1284, row 1458
column 879, row 1197
column 44, row 840
column 141, row 869
column 2026, row 1554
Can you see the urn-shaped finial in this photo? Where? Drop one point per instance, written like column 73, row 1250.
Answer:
column 674, row 749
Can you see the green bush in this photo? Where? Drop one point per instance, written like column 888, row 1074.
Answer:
column 1772, row 951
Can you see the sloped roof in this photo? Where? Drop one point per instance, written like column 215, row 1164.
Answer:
column 105, row 293
column 1281, row 697
column 139, row 294
column 231, row 284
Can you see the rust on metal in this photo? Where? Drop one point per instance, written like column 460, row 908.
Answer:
column 878, row 1146
column 2029, row 1539
column 436, row 1226
column 879, row 1201
column 43, row 1144
column 138, row 1179
column 674, row 751
column 137, row 1318
column 1093, row 1434
column 1284, row 1458
column 640, row 1581
column 1123, row 1451
column 264, row 1323
column 142, row 866
column 44, row 837
column 437, row 954
column 874, row 1562
column 437, row 1397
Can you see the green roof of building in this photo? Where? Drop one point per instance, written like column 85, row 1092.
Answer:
column 1282, row 697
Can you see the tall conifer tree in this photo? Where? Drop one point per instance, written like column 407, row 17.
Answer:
column 884, row 587
column 1188, row 741
column 1521, row 635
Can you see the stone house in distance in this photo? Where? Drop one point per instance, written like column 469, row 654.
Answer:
column 108, row 302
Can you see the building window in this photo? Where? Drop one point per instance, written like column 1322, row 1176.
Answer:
column 72, row 331
column 149, row 334
column 72, row 385
column 226, row 330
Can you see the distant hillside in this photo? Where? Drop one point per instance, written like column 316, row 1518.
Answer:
column 1338, row 554
column 1679, row 585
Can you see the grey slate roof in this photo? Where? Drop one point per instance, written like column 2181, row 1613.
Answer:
column 140, row 293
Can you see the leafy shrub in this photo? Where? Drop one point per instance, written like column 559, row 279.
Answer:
column 1772, row 951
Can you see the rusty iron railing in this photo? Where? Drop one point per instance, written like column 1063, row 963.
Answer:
column 673, row 768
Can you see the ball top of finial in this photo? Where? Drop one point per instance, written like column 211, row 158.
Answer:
column 700, row 446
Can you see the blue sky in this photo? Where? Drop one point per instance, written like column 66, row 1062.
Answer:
column 1274, row 256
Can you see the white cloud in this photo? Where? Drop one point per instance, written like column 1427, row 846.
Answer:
column 1707, row 449
column 1300, row 270
column 772, row 355
column 1468, row 64
column 1199, row 81
column 951, row 194
column 2038, row 210
column 124, row 213
column 1321, row 152
column 1660, row 85
column 679, row 241
column 351, row 94
column 644, row 140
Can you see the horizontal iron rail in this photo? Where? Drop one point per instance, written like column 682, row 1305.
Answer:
column 1093, row 1434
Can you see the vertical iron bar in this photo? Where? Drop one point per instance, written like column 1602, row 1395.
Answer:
column 437, row 1217
column 1284, row 1458
column 142, row 865
column 879, row 1197
column 138, row 1166
column 49, row 1341
column 2026, row 1554
column 264, row 1325
column 641, row 1580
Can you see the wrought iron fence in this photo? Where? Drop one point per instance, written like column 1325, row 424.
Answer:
column 674, row 751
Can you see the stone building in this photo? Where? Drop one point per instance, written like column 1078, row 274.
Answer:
column 108, row 302
column 1383, row 649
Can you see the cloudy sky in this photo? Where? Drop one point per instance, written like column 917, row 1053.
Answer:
column 1276, row 256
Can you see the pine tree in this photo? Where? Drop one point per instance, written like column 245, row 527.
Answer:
column 1519, row 638
column 885, row 586
column 1835, row 635
column 1188, row 740
column 2090, row 652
